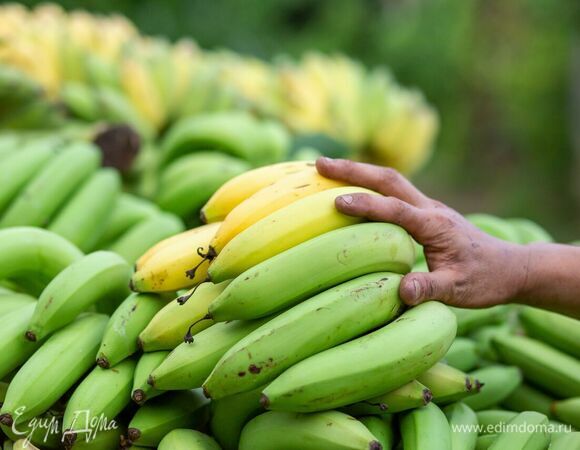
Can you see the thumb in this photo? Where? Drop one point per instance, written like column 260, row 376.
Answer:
column 418, row 287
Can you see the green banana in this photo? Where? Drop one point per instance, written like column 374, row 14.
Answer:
column 462, row 354
column 52, row 186
column 43, row 431
column 470, row 319
column 499, row 228
column 497, row 383
column 484, row 441
column 188, row 366
column 14, row 348
column 463, row 423
column 409, row 396
column 566, row 441
column 169, row 326
column 144, row 235
column 529, row 433
column 493, row 421
column 548, row 368
column 230, row 414
column 554, row 329
column 425, row 428
column 368, row 366
column 328, row 430
column 80, row 100
column 448, row 384
column 143, row 391
column 483, row 337
column 529, row 231
column 103, row 440
column 381, row 428
column 125, row 324
column 34, row 253
column 311, row 267
column 100, row 276
column 181, row 439
column 568, row 411
column 151, row 422
column 526, row 398
column 321, row 322
column 83, row 219
column 53, row 369
column 96, row 401
column 11, row 301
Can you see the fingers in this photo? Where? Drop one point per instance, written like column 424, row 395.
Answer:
column 419, row 287
column 384, row 180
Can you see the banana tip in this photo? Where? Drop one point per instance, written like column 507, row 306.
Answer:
column 68, row 439
column 427, row 396
column 151, row 381
column 6, row 419
column 134, row 434
column 264, row 401
column 375, row 445
column 202, row 216
column 30, row 335
column 139, row 396
column 140, row 344
column 103, row 362
column 132, row 285
column 206, row 392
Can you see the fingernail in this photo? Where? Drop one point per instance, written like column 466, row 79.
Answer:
column 324, row 159
column 346, row 199
column 416, row 290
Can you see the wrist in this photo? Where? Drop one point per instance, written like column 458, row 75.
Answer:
column 519, row 270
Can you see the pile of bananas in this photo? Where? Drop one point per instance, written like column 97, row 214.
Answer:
column 102, row 69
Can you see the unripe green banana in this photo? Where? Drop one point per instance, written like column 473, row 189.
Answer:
column 533, row 434
column 526, row 398
column 151, row 422
column 144, row 235
column 484, row 441
column 96, row 401
column 321, row 322
column 34, row 253
column 469, row 320
column 311, row 267
column 568, row 411
column 182, row 439
column 189, row 365
column 548, row 368
column 103, row 440
column 381, row 428
column 53, row 369
column 499, row 228
column 50, row 188
column 368, row 366
column 43, row 431
column 425, row 428
column 483, row 337
column 124, row 327
column 142, row 390
column 493, row 421
column 230, row 414
column 14, row 348
column 409, row 396
column 529, row 231
column 83, row 218
column 100, row 276
column 462, row 354
column 80, row 100
column 448, row 384
column 169, row 326
column 566, row 441
column 463, row 423
column 497, row 383
column 328, row 430
column 11, row 301
column 554, row 329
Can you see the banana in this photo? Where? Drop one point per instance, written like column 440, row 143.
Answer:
column 169, row 326
column 190, row 181
column 142, row 236
column 125, row 325
column 568, row 411
column 381, row 428
column 566, row 441
column 463, row 423
column 188, row 366
column 554, row 329
column 368, row 366
column 19, row 167
column 181, row 439
column 175, row 263
column 409, row 396
column 103, row 440
column 328, row 430
column 492, row 421
column 528, row 430
column 83, row 218
column 100, row 276
column 483, row 337
column 283, row 192
column 143, row 391
column 34, row 253
column 469, row 320
column 447, row 384
column 526, row 398
column 240, row 188
column 14, row 348
column 53, row 369
column 426, row 427
column 96, row 401
column 80, row 100
column 43, row 431
column 285, row 228
column 23, row 444
column 230, row 414
column 484, row 441
column 495, row 226
column 52, row 186
column 529, row 231
column 319, row 323
column 311, row 267
column 548, row 368
column 462, row 354
column 151, row 422
column 11, row 301
column 497, row 383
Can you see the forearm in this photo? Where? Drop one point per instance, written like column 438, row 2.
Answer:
column 552, row 278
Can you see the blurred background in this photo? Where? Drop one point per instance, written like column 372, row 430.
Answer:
column 504, row 77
